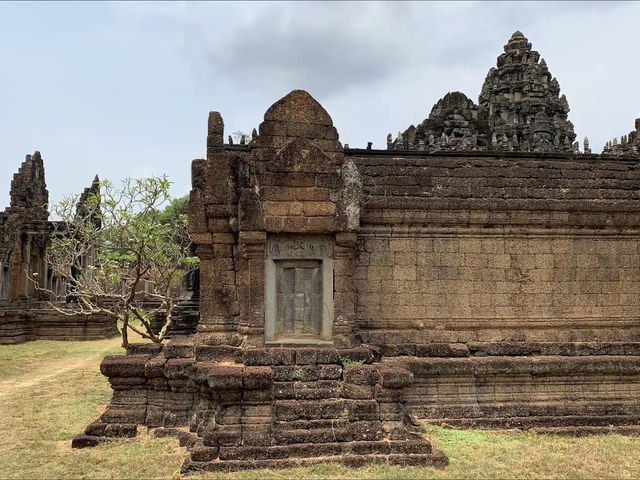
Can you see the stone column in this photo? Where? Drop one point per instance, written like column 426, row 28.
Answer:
column 24, row 267
column 218, row 295
column 212, row 212
column 3, row 281
column 344, row 327
column 252, row 253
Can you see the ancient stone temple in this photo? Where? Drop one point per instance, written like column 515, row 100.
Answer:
column 277, row 374
column 24, row 230
column 520, row 109
column 25, row 233
column 521, row 102
column 346, row 294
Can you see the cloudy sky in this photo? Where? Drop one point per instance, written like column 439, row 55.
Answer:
column 123, row 89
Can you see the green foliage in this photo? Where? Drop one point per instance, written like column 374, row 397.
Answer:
column 176, row 208
column 348, row 362
column 116, row 242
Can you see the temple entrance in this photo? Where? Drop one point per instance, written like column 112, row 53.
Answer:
column 299, row 289
column 298, row 298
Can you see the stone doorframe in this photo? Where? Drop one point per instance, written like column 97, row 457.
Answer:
column 299, row 247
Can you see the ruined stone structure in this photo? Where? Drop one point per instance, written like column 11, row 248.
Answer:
column 277, row 374
column 520, row 109
column 629, row 144
column 346, row 293
column 453, row 124
column 24, row 237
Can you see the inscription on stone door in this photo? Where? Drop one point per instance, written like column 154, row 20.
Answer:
column 298, row 298
column 299, row 289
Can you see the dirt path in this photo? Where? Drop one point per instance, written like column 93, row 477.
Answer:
column 9, row 387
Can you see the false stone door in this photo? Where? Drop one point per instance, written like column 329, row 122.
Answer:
column 298, row 299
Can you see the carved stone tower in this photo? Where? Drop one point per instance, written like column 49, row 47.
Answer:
column 521, row 103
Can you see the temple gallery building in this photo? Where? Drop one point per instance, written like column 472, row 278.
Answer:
column 482, row 270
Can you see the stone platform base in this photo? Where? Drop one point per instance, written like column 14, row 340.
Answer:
column 264, row 408
column 573, row 391
column 34, row 321
column 286, row 406
column 353, row 454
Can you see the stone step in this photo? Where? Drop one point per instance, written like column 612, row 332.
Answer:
column 435, row 459
column 589, row 430
column 306, row 373
column 507, row 348
column 342, row 432
column 513, row 409
column 540, row 365
column 543, row 422
column 308, row 409
column 321, row 389
column 310, row 424
column 306, row 450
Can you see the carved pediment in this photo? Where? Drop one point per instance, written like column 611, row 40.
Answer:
column 300, row 155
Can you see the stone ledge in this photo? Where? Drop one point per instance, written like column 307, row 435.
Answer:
column 614, row 364
column 511, row 348
column 573, row 424
column 435, row 459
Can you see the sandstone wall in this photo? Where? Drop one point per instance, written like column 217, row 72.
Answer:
column 470, row 288
column 524, row 248
column 36, row 321
column 509, row 286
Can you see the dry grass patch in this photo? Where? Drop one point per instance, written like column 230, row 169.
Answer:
column 49, row 391
column 45, row 403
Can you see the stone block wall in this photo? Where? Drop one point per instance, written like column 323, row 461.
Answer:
column 466, row 248
column 496, row 287
column 509, row 286
column 27, row 321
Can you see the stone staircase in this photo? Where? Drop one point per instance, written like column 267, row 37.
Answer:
column 304, row 406
column 263, row 408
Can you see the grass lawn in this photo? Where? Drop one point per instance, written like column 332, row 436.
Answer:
column 49, row 391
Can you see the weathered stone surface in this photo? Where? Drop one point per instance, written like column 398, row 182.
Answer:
column 521, row 103
column 453, row 124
